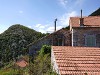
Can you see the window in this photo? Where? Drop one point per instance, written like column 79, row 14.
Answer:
column 90, row 40
column 55, row 41
column 60, row 42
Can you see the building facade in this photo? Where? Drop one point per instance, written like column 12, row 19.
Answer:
column 81, row 57
column 85, row 33
column 61, row 37
column 86, row 37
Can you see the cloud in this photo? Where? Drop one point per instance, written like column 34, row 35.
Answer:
column 79, row 2
column 51, row 29
column 42, row 31
column 30, row 26
column 40, row 26
column 20, row 11
column 3, row 28
column 1, row 32
column 64, row 19
column 48, row 28
column 63, row 2
column 71, row 4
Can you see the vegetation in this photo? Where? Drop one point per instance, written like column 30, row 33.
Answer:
column 68, row 27
column 14, row 41
column 96, row 13
column 13, row 69
column 13, row 44
column 42, row 63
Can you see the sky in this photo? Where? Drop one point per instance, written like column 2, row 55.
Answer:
column 40, row 14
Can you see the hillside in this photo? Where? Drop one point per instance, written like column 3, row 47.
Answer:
column 14, row 41
column 95, row 13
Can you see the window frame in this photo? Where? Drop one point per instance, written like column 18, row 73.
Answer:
column 90, row 35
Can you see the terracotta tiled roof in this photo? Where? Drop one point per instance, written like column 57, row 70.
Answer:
column 77, row 60
column 91, row 21
column 21, row 63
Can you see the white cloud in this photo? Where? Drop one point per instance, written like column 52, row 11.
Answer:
column 51, row 29
column 1, row 32
column 59, row 27
column 30, row 26
column 40, row 26
column 74, row 4
column 47, row 28
column 42, row 31
column 20, row 11
column 63, row 2
column 79, row 2
column 3, row 27
column 64, row 19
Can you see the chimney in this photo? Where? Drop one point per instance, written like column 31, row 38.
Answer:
column 81, row 21
column 55, row 23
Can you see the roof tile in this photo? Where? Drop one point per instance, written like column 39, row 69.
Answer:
column 77, row 60
column 90, row 21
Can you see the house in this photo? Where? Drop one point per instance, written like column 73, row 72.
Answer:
column 75, row 51
column 61, row 37
column 82, row 57
column 85, row 31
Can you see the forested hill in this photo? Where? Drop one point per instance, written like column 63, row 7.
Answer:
column 14, row 40
column 95, row 13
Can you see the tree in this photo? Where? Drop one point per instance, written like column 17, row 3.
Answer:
column 42, row 63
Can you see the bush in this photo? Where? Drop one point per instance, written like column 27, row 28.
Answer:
column 42, row 63
column 46, row 49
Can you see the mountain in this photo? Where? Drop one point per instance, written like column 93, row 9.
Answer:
column 95, row 13
column 14, row 41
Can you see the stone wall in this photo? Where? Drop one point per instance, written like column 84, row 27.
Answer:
column 53, row 62
column 80, row 34
column 58, row 38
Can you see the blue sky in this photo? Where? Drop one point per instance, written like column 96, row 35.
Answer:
column 40, row 14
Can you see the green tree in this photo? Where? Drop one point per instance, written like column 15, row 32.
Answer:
column 46, row 49
column 42, row 63
column 14, row 41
